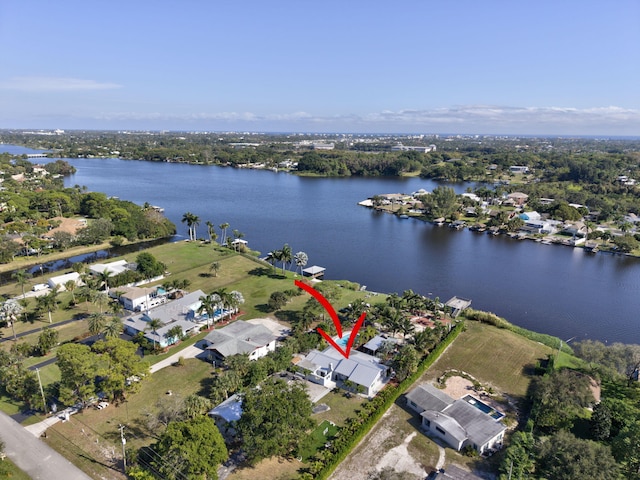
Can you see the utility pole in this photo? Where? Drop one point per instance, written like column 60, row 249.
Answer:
column 44, row 401
column 124, row 442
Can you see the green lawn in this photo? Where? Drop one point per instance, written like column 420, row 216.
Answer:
column 495, row 356
column 10, row 470
column 316, row 439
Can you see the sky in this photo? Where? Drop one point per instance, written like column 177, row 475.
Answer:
column 544, row 67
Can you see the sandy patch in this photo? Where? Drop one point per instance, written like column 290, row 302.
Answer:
column 69, row 225
column 401, row 460
column 276, row 327
column 458, row 387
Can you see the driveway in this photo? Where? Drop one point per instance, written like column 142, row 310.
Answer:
column 35, row 457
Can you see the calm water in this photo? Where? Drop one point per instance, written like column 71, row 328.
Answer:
column 552, row 289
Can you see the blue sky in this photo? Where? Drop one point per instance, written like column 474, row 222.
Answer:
column 441, row 66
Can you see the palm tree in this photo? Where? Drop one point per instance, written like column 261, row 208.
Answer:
column 286, row 256
column 223, row 227
column 154, row 324
column 192, row 222
column 272, row 257
column 21, row 277
column 174, row 334
column 104, row 279
column 9, row 312
column 215, row 268
column 96, row 323
column 208, row 305
column 211, row 231
column 48, row 302
column 113, row 328
column 101, row 299
column 70, row 287
column 301, row 259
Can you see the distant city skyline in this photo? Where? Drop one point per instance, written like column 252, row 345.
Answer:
column 466, row 67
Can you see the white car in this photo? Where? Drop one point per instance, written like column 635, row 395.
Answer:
column 102, row 405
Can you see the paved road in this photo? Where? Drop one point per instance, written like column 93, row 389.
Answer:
column 38, row 330
column 34, row 456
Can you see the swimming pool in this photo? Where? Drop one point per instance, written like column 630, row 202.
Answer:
column 342, row 342
column 492, row 412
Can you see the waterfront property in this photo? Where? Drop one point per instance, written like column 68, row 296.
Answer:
column 459, row 423
column 330, row 369
column 314, row 272
column 178, row 313
column 457, row 305
column 240, row 337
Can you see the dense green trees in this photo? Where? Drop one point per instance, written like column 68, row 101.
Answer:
column 189, row 449
column 274, row 418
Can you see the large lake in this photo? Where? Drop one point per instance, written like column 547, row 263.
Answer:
column 552, row 289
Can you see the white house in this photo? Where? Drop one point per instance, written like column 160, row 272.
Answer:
column 60, row 280
column 226, row 414
column 138, row 299
column 459, row 423
column 330, row 369
column 113, row 268
column 177, row 313
column 240, row 337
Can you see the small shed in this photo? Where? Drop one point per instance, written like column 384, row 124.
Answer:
column 457, row 304
column 314, row 272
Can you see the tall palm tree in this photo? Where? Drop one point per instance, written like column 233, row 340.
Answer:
column 211, row 231
column 286, row 256
column 22, row 278
column 113, row 328
column 192, row 222
column 300, row 259
column 96, row 323
column 195, row 223
column 223, row 227
column 48, row 302
column 153, row 325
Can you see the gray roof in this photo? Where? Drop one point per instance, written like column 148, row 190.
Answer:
column 457, row 416
column 177, row 309
column 376, row 342
column 185, row 325
column 480, row 427
column 428, row 397
column 360, row 368
column 239, row 337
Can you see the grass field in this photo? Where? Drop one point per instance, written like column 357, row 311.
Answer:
column 494, row 356
column 316, row 439
column 12, row 471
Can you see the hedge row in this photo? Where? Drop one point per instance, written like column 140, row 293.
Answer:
column 382, row 402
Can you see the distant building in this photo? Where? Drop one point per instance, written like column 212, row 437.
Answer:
column 518, row 169
column 403, row 148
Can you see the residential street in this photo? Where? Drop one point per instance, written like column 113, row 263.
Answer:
column 34, row 456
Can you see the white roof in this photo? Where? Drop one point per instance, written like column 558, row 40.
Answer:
column 314, row 270
column 62, row 279
column 114, row 268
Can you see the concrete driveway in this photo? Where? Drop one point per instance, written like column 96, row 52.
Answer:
column 189, row 352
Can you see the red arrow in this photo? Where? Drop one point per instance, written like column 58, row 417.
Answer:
column 334, row 317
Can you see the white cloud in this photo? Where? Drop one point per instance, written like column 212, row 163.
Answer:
column 54, row 84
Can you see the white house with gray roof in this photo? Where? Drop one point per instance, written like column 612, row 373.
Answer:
column 330, row 369
column 459, row 423
column 182, row 313
column 240, row 337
